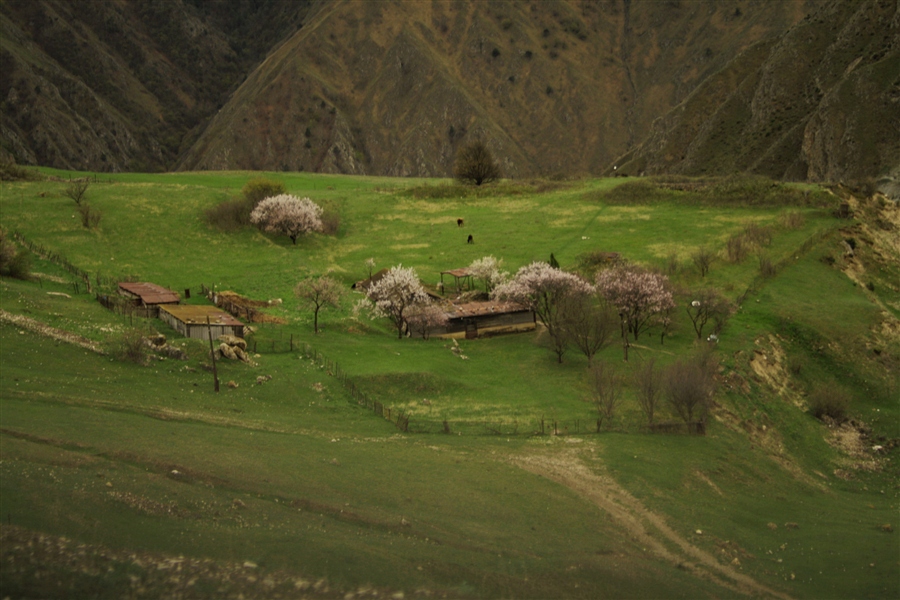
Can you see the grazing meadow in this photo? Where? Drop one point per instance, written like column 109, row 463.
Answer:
column 501, row 485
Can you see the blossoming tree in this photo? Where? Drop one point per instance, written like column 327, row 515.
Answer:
column 637, row 294
column 544, row 289
column 488, row 270
column 287, row 214
column 395, row 294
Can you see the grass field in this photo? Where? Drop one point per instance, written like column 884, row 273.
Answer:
column 294, row 479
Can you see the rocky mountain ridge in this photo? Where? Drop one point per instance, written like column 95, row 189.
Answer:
column 564, row 88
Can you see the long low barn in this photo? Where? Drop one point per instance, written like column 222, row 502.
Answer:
column 478, row 319
column 191, row 321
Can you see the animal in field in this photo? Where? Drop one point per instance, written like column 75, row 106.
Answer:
column 459, row 222
column 471, row 240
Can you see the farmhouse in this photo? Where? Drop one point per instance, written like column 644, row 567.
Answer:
column 478, row 319
column 191, row 321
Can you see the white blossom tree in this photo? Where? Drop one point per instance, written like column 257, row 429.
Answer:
column 287, row 214
column 637, row 294
column 544, row 289
column 395, row 294
column 318, row 293
column 488, row 270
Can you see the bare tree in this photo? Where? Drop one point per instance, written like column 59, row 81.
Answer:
column 706, row 305
column 648, row 387
column 475, row 164
column 318, row 293
column 605, row 383
column 76, row 190
column 702, row 260
column 689, row 387
column 588, row 323
column 287, row 214
column 90, row 217
column 395, row 294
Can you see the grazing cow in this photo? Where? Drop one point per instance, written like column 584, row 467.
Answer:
column 459, row 222
column 471, row 240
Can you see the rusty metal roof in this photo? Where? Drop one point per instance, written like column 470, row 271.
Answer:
column 457, row 272
column 196, row 314
column 473, row 309
column 150, row 293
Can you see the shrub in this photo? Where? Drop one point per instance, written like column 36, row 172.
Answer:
column 10, row 171
column 229, row 216
column 736, row 248
column 13, row 262
column 757, row 235
column 129, row 346
column 766, row 266
column 829, row 400
column 792, row 219
column 90, row 217
column 258, row 189
column 331, row 221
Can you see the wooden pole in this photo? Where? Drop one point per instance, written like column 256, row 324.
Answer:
column 212, row 354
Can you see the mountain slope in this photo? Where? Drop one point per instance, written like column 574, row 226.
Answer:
column 112, row 86
column 554, row 87
column 820, row 103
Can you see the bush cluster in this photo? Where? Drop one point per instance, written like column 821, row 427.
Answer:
column 829, row 400
column 14, row 262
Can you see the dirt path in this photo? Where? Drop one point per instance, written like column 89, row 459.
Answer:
column 62, row 335
column 645, row 527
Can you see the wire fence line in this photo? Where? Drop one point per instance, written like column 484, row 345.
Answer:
column 83, row 279
column 509, row 427
column 403, row 420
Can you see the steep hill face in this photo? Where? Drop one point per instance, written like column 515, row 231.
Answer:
column 794, row 89
column 822, row 102
column 553, row 87
column 119, row 85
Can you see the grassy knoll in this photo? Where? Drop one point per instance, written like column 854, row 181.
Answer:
column 292, row 477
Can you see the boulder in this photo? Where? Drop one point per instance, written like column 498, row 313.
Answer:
column 233, row 341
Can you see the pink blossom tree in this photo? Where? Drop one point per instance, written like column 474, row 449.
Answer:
column 395, row 294
column 544, row 289
column 287, row 214
column 637, row 294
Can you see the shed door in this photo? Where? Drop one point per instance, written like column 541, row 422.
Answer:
column 471, row 330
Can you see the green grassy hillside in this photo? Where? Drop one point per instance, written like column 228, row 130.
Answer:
column 118, row 479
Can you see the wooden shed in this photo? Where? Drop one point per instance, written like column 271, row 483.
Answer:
column 479, row 319
column 191, row 321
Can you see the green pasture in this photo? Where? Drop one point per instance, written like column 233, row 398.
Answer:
column 292, row 475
